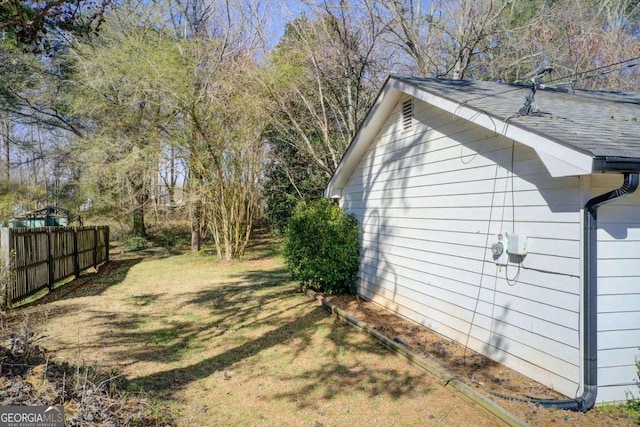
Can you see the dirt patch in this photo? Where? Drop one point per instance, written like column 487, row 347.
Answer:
column 477, row 371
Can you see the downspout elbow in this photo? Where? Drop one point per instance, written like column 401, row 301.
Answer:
column 629, row 186
column 588, row 398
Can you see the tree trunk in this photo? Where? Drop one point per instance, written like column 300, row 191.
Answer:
column 196, row 227
column 6, row 131
column 140, row 198
column 138, row 222
column 172, row 178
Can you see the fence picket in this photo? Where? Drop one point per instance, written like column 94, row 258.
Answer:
column 39, row 257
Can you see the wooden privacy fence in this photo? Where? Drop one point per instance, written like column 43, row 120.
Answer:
column 36, row 258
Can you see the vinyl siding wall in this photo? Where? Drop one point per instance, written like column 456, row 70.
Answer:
column 618, row 291
column 431, row 201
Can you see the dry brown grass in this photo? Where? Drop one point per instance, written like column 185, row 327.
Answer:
column 236, row 343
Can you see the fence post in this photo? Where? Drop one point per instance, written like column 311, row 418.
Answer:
column 5, row 252
column 50, row 262
column 106, row 244
column 95, row 247
column 76, row 255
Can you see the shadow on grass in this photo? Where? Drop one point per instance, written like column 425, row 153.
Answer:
column 233, row 308
column 336, row 378
column 245, row 297
column 108, row 275
column 333, row 377
column 341, row 374
column 266, row 246
column 242, row 303
column 248, row 314
column 166, row 383
column 245, row 284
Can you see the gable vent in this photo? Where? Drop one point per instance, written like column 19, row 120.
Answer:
column 407, row 114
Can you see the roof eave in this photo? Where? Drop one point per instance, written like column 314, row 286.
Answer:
column 559, row 158
column 386, row 100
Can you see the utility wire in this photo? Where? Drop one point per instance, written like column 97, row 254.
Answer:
column 598, row 69
column 569, row 76
column 602, row 73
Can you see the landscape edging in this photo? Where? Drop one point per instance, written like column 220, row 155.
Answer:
column 451, row 381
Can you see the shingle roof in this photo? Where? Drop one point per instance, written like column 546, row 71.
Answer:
column 576, row 133
column 595, row 122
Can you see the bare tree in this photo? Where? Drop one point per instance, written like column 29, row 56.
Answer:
column 224, row 138
column 223, row 128
column 574, row 37
column 506, row 39
column 445, row 39
column 321, row 76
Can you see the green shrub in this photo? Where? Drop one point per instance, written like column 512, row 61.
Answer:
column 171, row 235
column 131, row 243
column 321, row 247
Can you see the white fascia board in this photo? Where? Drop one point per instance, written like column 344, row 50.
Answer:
column 382, row 108
column 559, row 159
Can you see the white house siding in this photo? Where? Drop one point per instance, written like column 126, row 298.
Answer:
column 431, row 201
column 618, row 291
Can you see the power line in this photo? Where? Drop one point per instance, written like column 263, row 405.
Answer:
column 608, row 72
column 569, row 76
column 599, row 68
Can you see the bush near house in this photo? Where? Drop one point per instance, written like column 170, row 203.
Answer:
column 321, row 247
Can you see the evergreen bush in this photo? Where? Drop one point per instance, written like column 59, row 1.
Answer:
column 321, row 247
column 170, row 234
column 131, row 243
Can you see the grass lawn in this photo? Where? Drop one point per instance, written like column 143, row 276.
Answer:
column 236, row 343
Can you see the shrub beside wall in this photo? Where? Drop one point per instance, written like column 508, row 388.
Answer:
column 321, row 247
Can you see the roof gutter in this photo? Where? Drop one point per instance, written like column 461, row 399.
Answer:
column 631, row 169
column 616, row 164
